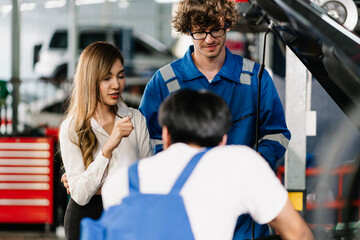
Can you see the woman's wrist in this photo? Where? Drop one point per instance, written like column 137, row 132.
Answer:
column 106, row 153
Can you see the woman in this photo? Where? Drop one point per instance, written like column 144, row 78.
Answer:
column 99, row 134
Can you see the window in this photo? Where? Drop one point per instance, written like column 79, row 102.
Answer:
column 59, row 40
column 87, row 38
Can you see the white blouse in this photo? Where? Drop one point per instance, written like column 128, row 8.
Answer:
column 85, row 183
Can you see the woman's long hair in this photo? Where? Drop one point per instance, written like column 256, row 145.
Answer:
column 94, row 65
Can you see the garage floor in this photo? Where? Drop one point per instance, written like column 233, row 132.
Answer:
column 31, row 232
column 28, row 236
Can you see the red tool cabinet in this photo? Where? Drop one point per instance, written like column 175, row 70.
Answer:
column 339, row 203
column 26, row 180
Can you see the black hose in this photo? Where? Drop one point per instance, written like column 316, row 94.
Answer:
column 257, row 127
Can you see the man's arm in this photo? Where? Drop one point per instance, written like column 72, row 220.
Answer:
column 115, row 188
column 274, row 135
column 290, row 225
column 154, row 93
column 274, row 209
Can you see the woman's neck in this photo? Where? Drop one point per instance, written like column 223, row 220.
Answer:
column 105, row 116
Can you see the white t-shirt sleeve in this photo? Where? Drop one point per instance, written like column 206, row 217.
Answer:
column 265, row 196
column 115, row 188
column 142, row 135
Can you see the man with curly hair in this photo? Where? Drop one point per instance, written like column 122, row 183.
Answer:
column 208, row 64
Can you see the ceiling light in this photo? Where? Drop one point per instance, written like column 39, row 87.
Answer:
column 87, row 2
column 123, row 4
column 55, row 4
column 27, row 6
column 166, row 1
column 6, row 9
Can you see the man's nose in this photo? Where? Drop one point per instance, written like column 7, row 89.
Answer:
column 209, row 38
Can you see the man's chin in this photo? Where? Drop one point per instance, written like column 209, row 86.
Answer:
column 212, row 54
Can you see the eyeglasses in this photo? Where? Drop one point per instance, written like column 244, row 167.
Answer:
column 215, row 33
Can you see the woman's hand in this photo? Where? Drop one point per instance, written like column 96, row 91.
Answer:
column 65, row 182
column 122, row 128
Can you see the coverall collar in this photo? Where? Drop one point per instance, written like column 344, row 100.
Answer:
column 230, row 70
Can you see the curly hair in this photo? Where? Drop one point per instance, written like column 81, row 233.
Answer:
column 204, row 13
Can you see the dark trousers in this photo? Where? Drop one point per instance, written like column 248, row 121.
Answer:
column 75, row 212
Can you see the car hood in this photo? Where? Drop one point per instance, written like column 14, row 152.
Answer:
column 327, row 49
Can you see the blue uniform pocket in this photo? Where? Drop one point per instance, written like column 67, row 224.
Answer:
column 242, row 115
column 242, row 129
column 242, row 118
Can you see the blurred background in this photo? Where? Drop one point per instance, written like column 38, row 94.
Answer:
column 40, row 43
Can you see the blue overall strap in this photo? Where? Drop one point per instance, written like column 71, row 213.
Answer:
column 186, row 172
column 133, row 178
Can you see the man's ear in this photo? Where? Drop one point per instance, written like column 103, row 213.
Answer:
column 223, row 141
column 165, row 137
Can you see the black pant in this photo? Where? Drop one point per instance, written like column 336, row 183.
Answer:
column 75, row 212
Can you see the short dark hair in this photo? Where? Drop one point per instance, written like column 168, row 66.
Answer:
column 204, row 13
column 196, row 117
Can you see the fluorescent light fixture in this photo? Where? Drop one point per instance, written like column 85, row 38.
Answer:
column 55, row 4
column 6, row 9
column 123, row 4
column 27, row 6
column 112, row 0
column 166, row 1
column 87, row 2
